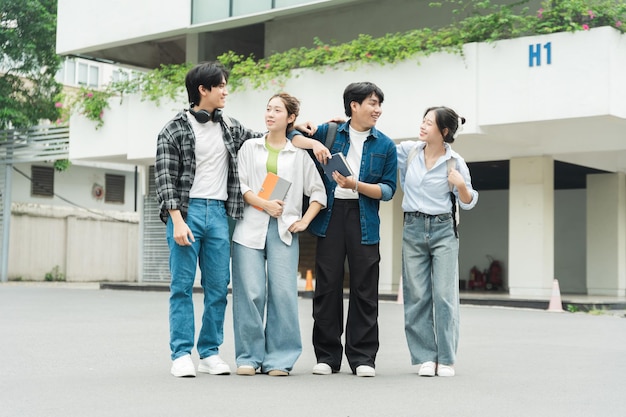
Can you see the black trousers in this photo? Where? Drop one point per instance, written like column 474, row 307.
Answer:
column 343, row 238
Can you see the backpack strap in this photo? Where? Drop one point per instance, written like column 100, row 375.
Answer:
column 411, row 154
column 328, row 142
column 451, row 164
column 455, row 206
column 330, row 135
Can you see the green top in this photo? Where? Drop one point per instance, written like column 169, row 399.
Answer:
column 272, row 159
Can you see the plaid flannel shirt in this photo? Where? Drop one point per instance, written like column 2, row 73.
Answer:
column 175, row 165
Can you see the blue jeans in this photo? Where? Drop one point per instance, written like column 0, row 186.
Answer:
column 211, row 250
column 430, row 287
column 271, row 288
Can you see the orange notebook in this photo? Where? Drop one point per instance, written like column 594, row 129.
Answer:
column 273, row 188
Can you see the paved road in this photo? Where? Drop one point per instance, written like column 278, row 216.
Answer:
column 80, row 351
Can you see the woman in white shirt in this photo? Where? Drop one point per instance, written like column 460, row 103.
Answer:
column 265, row 245
column 433, row 178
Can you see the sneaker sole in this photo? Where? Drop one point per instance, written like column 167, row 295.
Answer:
column 188, row 374
column 323, row 372
column 206, row 370
column 276, row 372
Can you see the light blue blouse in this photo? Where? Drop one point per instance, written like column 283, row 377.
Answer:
column 427, row 191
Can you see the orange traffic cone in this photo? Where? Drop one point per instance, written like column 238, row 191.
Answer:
column 309, row 280
column 400, row 299
column 555, row 301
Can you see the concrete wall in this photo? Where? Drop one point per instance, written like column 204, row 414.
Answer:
column 74, row 186
column 117, row 20
column 87, row 238
column 84, row 246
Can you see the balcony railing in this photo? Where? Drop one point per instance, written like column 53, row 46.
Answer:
column 38, row 143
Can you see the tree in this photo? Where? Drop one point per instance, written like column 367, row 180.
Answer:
column 28, row 62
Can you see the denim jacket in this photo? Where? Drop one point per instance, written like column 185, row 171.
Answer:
column 379, row 165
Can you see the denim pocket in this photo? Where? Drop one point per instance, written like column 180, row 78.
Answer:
column 377, row 164
column 444, row 218
column 409, row 219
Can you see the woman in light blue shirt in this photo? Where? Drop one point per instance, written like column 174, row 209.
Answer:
column 265, row 245
column 434, row 179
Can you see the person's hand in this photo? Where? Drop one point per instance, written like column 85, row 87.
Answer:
column 344, row 182
column 182, row 234
column 298, row 226
column 455, row 178
column 321, row 152
column 308, row 128
column 274, row 208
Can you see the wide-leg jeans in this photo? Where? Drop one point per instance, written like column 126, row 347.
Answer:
column 211, row 251
column 265, row 303
column 430, row 287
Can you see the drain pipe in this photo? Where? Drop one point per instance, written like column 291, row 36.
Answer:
column 6, row 221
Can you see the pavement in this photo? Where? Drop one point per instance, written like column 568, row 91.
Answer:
column 80, row 350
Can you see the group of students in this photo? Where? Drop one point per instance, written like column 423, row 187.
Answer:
column 210, row 167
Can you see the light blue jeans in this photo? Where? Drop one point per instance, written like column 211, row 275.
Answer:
column 211, row 250
column 265, row 283
column 430, row 287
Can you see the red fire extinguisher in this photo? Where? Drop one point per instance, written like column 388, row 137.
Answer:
column 494, row 275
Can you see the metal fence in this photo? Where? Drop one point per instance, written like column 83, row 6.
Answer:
column 37, row 143
column 155, row 250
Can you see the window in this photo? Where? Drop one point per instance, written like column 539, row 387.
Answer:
column 119, row 75
column 94, row 75
column 42, row 181
column 83, row 73
column 203, row 11
column 114, row 186
column 75, row 73
column 67, row 72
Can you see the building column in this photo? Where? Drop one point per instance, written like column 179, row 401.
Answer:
column 606, row 234
column 192, row 48
column 391, row 224
column 531, row 226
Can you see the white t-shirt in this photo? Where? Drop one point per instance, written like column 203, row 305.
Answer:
column 355, row 153
column 211, row 175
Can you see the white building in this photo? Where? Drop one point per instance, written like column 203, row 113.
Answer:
column 544, row 140
column 80, row 224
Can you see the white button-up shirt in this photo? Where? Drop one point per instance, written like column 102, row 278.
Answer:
column 296, row 166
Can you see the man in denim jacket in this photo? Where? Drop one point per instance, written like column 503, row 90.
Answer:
column 350, row 227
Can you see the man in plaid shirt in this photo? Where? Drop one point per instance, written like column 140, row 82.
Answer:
column 197, row 188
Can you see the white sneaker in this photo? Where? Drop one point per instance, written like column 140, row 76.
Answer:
column 183, row 366
column 445, row 370
column 427, row 369
column 322, row 369
column 213, row 365
column 365, row 370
